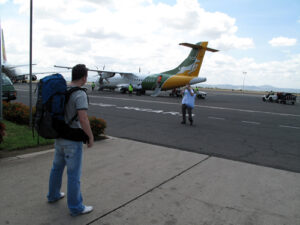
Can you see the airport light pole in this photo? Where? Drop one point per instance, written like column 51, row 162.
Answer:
column 244, row 81
column 0, row 72
column 30, row 68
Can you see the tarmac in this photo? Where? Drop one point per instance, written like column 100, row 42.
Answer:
column 134, row 183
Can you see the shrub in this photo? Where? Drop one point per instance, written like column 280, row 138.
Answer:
column 16, row 112
column 19, row 113
column 97, row 125
column 2, row 131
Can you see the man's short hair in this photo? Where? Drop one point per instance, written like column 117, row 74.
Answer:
column 79, row 71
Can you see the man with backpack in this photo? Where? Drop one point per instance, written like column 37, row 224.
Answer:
column 69, row 152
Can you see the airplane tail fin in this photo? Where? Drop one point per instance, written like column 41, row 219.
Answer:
column 192, row 64
column 3, row 52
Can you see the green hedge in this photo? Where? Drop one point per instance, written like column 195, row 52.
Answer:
column 19, row 113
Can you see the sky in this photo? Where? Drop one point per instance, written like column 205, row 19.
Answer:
column 259, row 41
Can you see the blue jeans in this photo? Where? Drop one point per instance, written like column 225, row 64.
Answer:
column 67, row 153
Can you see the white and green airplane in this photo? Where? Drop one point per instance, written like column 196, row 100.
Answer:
column 186, row 73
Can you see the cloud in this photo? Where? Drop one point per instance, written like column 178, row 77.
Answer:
column 101, row 34
column 220, row 68
column 226, row 42
column 100, row 2
column 126, row 35
column 282, row 41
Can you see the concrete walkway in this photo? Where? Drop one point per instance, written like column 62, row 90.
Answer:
column 134, row 183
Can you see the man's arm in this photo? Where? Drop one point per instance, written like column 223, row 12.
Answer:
column 191, row 91
column 85, row 125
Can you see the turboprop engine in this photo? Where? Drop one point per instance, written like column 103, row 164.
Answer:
column 197, row 80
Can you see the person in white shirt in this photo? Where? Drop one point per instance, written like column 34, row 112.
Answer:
column 188, row 102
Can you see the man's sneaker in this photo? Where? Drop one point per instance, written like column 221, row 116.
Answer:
column 62, row 195
column 191, row 122
column 87, row 209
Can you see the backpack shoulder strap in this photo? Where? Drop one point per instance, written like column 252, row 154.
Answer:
column 71, row 90
column 68, row 95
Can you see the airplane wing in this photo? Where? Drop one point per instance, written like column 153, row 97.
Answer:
column 37, row 73
column 16, row 66
column 104, row 73
column 34, row 74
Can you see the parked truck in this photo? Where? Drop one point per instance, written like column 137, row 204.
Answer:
column 8, row 90
column 280, row 97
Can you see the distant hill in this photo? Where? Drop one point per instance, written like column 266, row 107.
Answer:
column 250, row 88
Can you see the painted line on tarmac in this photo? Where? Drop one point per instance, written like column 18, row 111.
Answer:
column 21, row 90
column 284, row 126
column 251, row 122
column 138, row 109
column 199, row 106
column 216, row 118
column 175, row 113
column 248, row 111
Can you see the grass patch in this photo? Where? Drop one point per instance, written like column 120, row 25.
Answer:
column 20, row 137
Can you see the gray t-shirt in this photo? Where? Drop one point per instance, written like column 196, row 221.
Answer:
column 78, row 101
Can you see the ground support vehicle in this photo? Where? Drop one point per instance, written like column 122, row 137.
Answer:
column 270, row 97
column 8, row 90
column 286, row 98
column 178, row 93
column 280, row 97
column 201, row 94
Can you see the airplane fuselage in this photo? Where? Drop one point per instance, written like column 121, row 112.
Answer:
column 149, row 82
column 119, row 81
column 168, row 81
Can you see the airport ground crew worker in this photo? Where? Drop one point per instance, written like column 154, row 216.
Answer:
column 158, row 82
column 130, row 89
column 93, row 86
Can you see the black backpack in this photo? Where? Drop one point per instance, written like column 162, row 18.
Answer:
column 52, row 97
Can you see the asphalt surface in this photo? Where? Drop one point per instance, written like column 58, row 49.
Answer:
column 227, row 125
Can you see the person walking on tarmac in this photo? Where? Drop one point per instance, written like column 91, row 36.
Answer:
column 130, row 89
column 188, row 102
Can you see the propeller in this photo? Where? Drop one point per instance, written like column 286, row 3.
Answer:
column 105, row 75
